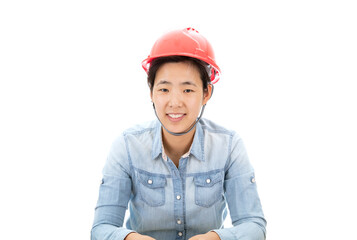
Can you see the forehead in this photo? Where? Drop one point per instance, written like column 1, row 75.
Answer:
column 178, row 72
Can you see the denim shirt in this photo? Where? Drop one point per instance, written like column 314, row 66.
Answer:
column 168, row 202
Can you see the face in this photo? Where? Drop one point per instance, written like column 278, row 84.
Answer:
column 178, row 95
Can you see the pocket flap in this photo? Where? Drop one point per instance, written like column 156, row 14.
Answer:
column 208, row 179
column 152, row 181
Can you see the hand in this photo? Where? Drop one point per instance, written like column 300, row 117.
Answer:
column 137, row 236
column 207, row 236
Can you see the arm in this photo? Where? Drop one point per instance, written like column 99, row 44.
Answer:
column 242, row 197
column 114, row 195
column 137, row 236
column 207, row 236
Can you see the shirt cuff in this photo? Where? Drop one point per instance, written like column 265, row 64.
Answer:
column 247, row 230
column 224, row 234
column 121, row 233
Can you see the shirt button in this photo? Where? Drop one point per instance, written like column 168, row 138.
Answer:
column 180, row 234
column 149, row 181
column 208, row 180
column 253, row 180
column 178, row 197
column 179, row 221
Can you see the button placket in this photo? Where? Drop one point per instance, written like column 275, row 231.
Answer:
column 178, row 177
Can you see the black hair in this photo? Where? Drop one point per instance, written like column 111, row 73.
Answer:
column 201, row 66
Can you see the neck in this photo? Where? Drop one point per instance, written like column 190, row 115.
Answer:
column 177, row 145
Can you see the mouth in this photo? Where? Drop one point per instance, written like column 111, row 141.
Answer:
column 175, row 117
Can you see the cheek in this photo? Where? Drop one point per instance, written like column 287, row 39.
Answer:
column 195, row 104
column 159, row 103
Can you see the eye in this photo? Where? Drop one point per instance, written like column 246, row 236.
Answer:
column 164, row 90
column 188, row 90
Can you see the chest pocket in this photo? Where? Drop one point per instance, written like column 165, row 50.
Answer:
column 208, row 188
column 152, row 189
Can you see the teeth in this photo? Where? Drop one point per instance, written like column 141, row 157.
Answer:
column 175, row 115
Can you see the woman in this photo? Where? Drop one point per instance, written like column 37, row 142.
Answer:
column 178, row 173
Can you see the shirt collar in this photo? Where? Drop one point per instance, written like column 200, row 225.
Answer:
column 197, row 147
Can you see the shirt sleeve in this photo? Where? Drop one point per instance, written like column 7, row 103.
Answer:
column 114, row 195
column 242, row 197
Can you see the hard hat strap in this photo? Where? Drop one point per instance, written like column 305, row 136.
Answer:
column 181, row 133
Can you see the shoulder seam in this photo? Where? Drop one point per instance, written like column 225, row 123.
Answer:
column 137, row 132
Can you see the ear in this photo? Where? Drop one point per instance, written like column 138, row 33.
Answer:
column 207, row 94
column 151, row 94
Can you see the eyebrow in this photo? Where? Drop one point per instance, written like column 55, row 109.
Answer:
column 169, row 83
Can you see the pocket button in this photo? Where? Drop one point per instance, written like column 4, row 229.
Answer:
column 208, row 180
column 150, row 181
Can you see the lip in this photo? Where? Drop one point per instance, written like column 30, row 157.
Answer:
column 175, row 119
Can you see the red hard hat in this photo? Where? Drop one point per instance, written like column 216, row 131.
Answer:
column 187, row 42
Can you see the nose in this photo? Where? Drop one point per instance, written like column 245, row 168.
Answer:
column 176, row 100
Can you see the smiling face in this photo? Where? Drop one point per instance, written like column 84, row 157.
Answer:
column 178, row 95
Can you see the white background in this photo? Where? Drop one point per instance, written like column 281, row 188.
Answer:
column 71, row 81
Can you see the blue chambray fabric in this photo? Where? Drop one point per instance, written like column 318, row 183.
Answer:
column 166, row 202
